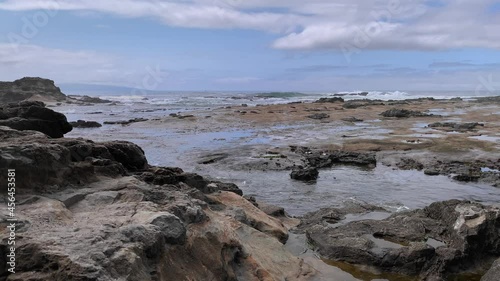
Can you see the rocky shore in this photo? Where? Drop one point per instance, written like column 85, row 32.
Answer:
column 98, row 210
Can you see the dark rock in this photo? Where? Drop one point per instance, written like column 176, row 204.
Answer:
column 352, row 119
column 306, row 174
column 36, row 117
column 431, row 172
column 126, row 122
column 130, row 155
column 330, row 100
column 463, row 127
column 49, row 163
column 85, row 124
column 465, row 235
column 222, row 186
column 87, row 99
column 404, row 113
column 319, row 116
column 30, row 88
column 361, row 103
column 324, row 160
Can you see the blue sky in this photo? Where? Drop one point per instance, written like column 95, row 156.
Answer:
column 255, row 45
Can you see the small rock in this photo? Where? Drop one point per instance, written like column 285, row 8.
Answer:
column 85, row 124
column 306, row 174
column 319, row 116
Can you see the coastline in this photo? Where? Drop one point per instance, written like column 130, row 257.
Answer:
column 273, row 140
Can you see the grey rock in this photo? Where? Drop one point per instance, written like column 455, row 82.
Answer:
column 305, row 174
column 460, row 127
column 468, row 235
column 171, row 227
column 404, row 113
column 85, row 124
column 34, row 116
column 330, row 100
column 30, row 87
column 494, row 273
column 319, row 116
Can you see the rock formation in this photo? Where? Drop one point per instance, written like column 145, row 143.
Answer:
column 441, row 240
column 33, row 115
column 99, row 211
column 30, row 88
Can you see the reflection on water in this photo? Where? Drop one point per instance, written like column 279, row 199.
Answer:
column 366, row 273
column 392, row 189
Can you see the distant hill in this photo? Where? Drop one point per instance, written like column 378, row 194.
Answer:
column 96, row 89
column 30, row 88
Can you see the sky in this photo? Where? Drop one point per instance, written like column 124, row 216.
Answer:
column 255, row 45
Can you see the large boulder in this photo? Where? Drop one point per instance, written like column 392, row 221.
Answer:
column 32, row 88
column 443, row 239
column 52, row 163
column 31, row 115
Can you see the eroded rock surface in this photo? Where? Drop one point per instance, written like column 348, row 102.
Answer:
column 404, row 113
column 33, row 115
column 33, row 88
column 440, row 240
column 98, row 211
column 85, row 124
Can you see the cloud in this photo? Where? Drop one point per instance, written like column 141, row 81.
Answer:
column 196, row 14
column 414, row 26
column 342, row 25
column 63, row 66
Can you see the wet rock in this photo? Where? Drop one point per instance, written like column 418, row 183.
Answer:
column 330, row 216
column 431, row 172
column 330, row 100
column 85, row 124
column 78, row 224
column 88, row 99
column 352, row 104
column 29, row 115
column 305, row 174
column 352, row 119
column 319, row 116
column 460, row 127
column 130, row 155
column 126, row 122
column 494, row 273
column 271, row 210
column 328, row 159
column 409, row 164
column 468, row 235
column 32, row 88
column 404, row 113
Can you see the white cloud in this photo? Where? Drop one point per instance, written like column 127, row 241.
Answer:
column 63, row 66
column 315, row 24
